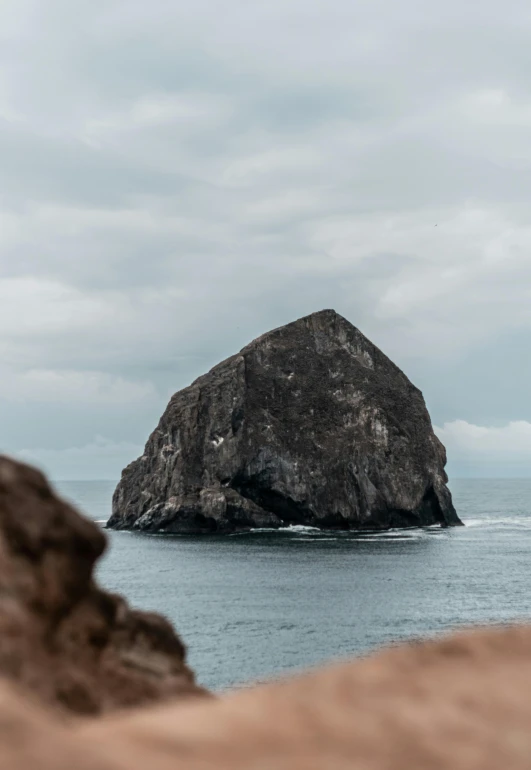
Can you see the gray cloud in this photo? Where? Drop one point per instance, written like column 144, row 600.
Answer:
column 178, row 178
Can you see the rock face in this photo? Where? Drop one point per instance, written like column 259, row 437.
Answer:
column 62, row 638
column 309, row 424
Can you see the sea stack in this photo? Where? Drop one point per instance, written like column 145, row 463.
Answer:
column 309, row 424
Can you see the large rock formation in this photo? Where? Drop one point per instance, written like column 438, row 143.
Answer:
column 309, row 424
column 63, row 639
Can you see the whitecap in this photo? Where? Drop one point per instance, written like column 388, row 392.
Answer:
column 505, row 521
column 301, row 528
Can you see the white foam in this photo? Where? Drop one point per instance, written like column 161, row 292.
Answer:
column 302, row 528
column 523, row 522
column 254, row 531
column 292, row 529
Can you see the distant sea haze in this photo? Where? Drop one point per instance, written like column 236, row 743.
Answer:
column 254, row 606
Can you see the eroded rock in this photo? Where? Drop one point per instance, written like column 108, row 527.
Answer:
column 62, row 638
column 309, row 424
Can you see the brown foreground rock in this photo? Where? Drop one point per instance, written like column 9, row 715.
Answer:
column 62, row 638
column 459, row 704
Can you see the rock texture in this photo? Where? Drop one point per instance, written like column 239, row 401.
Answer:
column 458, row 704
column 309, row 424
column 62, row 638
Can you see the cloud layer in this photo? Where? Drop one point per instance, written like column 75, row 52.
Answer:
column 479, row 450
column 177, row 178
column 101, row 459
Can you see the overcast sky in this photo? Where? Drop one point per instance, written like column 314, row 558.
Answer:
column 178, row 177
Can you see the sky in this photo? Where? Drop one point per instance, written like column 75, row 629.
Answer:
column 178, row 178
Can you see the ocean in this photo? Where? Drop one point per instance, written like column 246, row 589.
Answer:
column 254, row 606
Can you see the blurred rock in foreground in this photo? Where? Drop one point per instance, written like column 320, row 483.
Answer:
column 62, row 639
column 458, row 704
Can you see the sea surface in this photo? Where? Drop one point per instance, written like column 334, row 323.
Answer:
column 253, row 606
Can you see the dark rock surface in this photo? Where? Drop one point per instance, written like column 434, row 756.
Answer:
column 63, row 640
column 309, row 424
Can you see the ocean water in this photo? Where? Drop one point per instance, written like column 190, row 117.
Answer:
column 254, row 606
